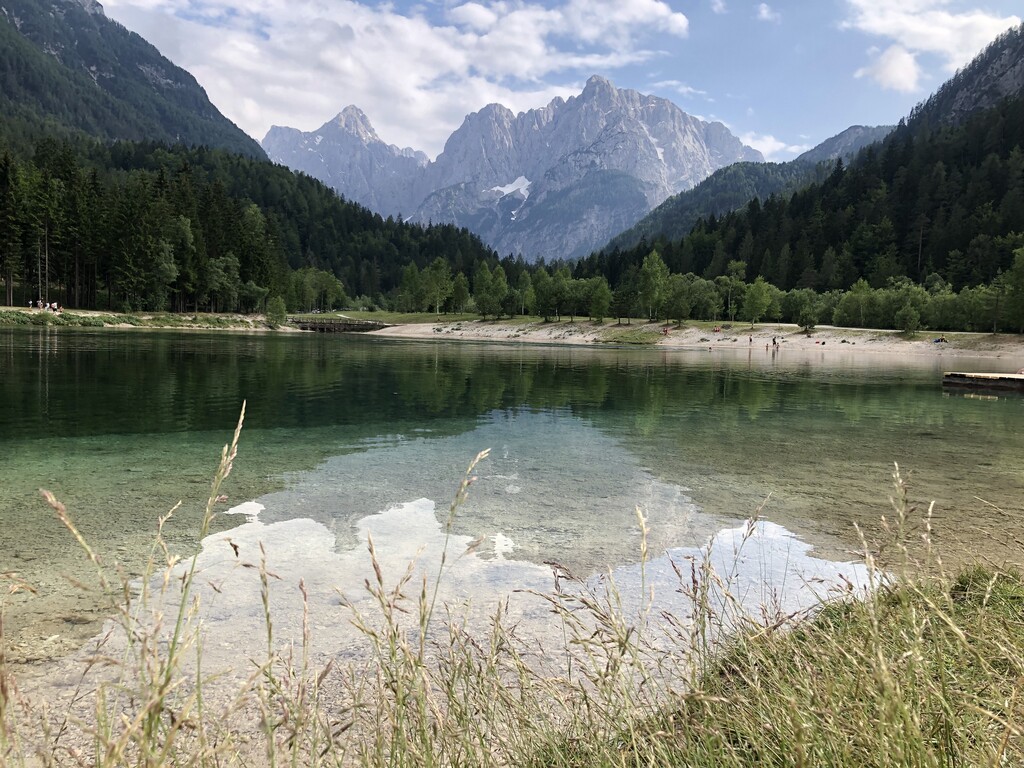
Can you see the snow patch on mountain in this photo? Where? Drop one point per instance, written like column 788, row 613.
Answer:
column 521, row 185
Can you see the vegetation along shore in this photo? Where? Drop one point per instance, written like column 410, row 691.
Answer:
column 723, row 337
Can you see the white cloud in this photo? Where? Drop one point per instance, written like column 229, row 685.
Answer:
column 895, row 69
column 922, row 26
column 679, row 87
column 765, row 13
column 298, row 62
column 718, row 6
column 617, row 21
column 473, row 15
column 773, row 149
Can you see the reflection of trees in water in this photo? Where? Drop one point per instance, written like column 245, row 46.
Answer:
column 109, row 383
column 164, row 382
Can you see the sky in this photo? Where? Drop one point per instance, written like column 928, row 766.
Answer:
column 781, row 75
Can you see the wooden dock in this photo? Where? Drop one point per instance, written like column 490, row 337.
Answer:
column 335, row 324
column 988, row 382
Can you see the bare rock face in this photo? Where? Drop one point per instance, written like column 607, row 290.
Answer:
column 556, row 182
column 995, row 74
column 847, row 144
column 347, row 155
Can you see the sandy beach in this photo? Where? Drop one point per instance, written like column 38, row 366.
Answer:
column 1007, row 348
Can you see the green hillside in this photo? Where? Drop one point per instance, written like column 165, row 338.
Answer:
column 69, row 69
column 732, row 187
column 725, row 190
column 947, row 201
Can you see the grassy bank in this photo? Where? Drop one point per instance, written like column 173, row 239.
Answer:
column 920, row 671
column 72, row 319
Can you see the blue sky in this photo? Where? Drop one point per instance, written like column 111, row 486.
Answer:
column 781, row 75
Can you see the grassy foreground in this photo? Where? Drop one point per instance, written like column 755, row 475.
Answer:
column 921, row 671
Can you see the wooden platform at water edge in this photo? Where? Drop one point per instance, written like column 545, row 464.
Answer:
column 988, row 382
column 335, row 324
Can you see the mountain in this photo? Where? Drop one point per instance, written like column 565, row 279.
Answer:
column 995, row 74
column 66, row 69
column 847, row 144
column 346, row 154
column 730, row 188
column 553, row 182
column 121, row 186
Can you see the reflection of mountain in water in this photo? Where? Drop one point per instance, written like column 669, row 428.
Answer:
column 762, row 566
column 556, row 486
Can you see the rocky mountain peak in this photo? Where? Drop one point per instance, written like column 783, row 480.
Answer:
column 599, row 89
column 492, row 114
column 354, row 121
column 556, row 181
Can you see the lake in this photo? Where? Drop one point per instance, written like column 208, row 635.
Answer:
column 348, row 435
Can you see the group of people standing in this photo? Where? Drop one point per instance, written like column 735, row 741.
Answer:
column 775, row 342
column 48, row 306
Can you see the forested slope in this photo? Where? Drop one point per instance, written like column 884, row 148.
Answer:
column 66, row 66
column 145, row 226
column 723, row 191
column 943, row 197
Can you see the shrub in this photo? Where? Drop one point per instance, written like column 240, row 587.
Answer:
column 277, row 314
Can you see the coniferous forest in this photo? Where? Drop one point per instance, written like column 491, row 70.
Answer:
column 133, row 226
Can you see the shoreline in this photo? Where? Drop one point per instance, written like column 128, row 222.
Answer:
column 734, row 338
column 100, row 319
column 582, row 332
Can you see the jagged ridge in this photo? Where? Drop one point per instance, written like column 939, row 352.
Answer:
column 554, row 182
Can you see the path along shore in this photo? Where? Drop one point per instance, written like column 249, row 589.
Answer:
column 1007, row 348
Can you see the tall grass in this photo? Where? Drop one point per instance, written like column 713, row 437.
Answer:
column 917, row 671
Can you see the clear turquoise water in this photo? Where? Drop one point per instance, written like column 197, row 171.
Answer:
column 121, row 425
